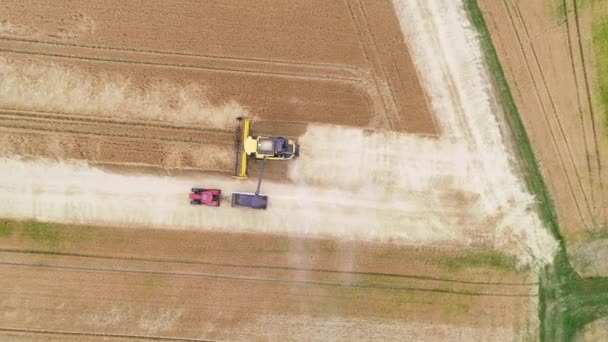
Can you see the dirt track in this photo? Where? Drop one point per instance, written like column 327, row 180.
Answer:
column 80, row 193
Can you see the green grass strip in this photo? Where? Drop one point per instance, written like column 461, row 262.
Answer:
column 557, row 281
column 600, row 47
column 567, row 302
column 476, row 258
column 534, row 178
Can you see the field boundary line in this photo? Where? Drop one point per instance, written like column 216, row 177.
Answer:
column 93, row 334
column 270, row 267
column 361, row 285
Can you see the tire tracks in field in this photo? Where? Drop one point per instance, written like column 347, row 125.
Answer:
column 267, row 267
column 543, row 109
column 29, row 129
column 578, row 98
column 357, row 80
column 354, row 285
column 368, row 46
column 555, row 112
column 321, row 66
column 589, row 102
column 294, row 129
column 110, row 119
column 46, row 122
column 157, row 64
column 348, row 80
column 141, row 137
column 360, row 85
column 93, row 334
column 108, row 141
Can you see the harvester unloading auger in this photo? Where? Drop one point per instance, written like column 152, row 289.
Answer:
column 265, row 148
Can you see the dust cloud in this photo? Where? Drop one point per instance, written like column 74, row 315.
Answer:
column 45, row 86
column 72, row 27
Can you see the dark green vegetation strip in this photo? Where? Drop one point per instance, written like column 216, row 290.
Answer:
column 30, row 230
column 6, row 229
column 560, row 7
column 477, row 258
column 52, row 235
column 567, row 302
column 600, row 47
column 599, row 233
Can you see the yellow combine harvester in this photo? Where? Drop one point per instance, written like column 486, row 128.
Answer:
column 269, row 148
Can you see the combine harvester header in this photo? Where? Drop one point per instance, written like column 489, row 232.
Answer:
column 240, row 167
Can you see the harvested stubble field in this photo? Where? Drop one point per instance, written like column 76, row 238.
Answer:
column 401, row 142
column 550, row 53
